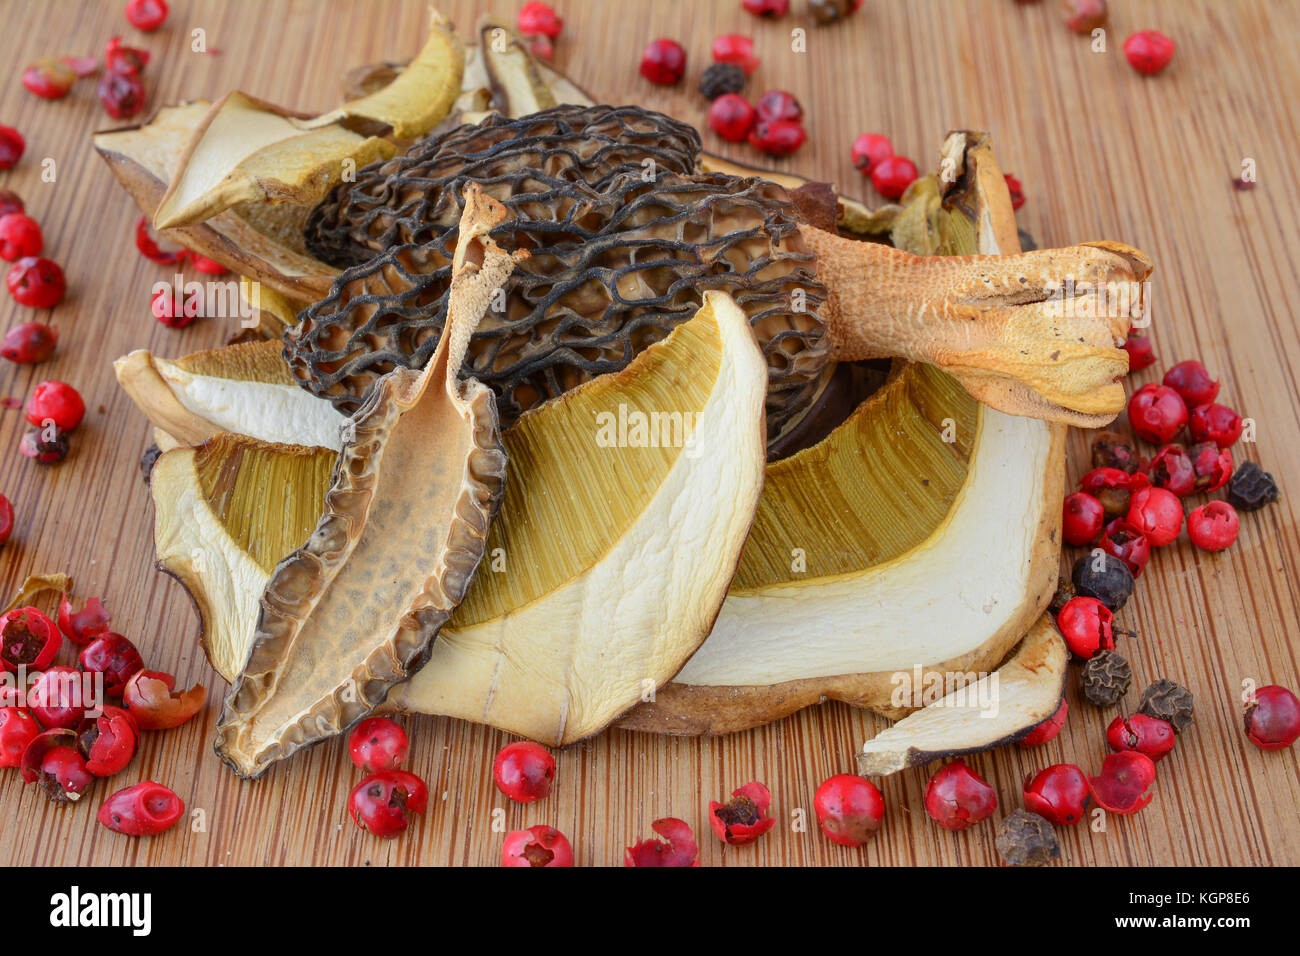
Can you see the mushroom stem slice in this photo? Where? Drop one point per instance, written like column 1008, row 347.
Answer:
column 351, row 613
column 1036, row 333
column 997, row 709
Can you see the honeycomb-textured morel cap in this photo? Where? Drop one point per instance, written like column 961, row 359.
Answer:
column 614, row 267
column 525, row 163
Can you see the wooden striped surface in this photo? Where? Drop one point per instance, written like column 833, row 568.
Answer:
column 1102, row 152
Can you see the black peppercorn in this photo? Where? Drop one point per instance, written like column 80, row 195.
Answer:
column 1104, row 577
column 1251, row 488
column 1168, row 701
column 1026, row 839
column 721, row 78
column 1106, row 678
column 1113, row 450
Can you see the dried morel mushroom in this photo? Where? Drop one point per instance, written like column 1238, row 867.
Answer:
column 1106, row 678
column 1168, row 701
column 1026, row 839
column 624, row 245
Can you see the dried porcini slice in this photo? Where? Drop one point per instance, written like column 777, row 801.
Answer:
column 247, row 150
column 244, row 388
column 1027, row 690
column 657, row 519
column 353, row 611
column 214, row 531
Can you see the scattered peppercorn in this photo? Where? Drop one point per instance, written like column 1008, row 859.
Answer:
column 663, row 62
column 1113, row 488
column 870, row 149
column 1158, row 514
column 1082, row 519
column 1128, row 544
column 1140, row 354
column 1216, row 423
column 767, row 8
column 146, row 15
column 1026, row 839
column 828, row 11
column 12, row 145
column 780, row 138
column 1016, row 191
column 720, row 78
column 49, row 78
column 1084, row 16
column 1149, row 51
column 1193, row 382
column 1168, row 701
column 737, row 49
column 36, row 282
column 1106, row 678
column 778, row 105
column 29, row 343
column 48, row 445
column 1213, row 526
column 731, row 117
column 890, row 177
column 1211, row 464
column 20, row 236
column 1273, row 718
column 10, row 201
column 1157, row 413
column 1104, row 577
column 1251, row 488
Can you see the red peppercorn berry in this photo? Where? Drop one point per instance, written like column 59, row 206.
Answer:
column 6, row 519
column 47, row 444
column 743, row 819
column 1083, row 519
column 20, row 237
column 1272, row 718
column 767, row 8
column 1058, row 794
column 1215, row 423
column 82, row 627
column 1149, row 51
column 121, row 93
column 779, row 138
column 12, row 146
column 957, row 797
column 53, row 761
column 1157, row 413
column 56, row 402
column 1124, row 784
column 778, row 105
column 870, row 149
column 146, row 15
column 165, row 310
column 850, row 809
column 663, row 62
column 1213, row 526
column 1016, row 191
column 731, row 117
column 1111, row 486
column 1084, row 16
column 378, row 743
column 18, row 728
column 1192, row 381
column 205, row 265
column 108, row 741
column 36, row 282
column 1172, row 469
column 113, row 656
column 58, row 698
column 524, row 771
column 124, row 59
column 147, row 809
column 49, row 78
column 1140, row 354
column 1086, row 625
column 1147, row 735
column 1127, row 543
column 1158, row 514
column 891, row 176
column 1048, row 729
column 29, row 343
column 1211, row 464
column 680, row 850
column 153, row 702
column 383, row 802
column 537, row 846
column 737, row 49
column 27, row 639
column 537, row 18
column 147, row 245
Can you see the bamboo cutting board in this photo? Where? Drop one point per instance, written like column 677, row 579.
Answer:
column 1102, row 152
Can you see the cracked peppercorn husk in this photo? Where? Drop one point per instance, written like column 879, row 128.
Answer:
column 1113, row 450
column 721, row 78
column 46, row 445
column 1106, row 678
column 1105, row 577
column 1251, row 488
column 1064, row 592
column 1168, row 701
column 1026, row 839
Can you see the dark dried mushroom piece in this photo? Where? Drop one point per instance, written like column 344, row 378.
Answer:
column 1251, row 488
column 1026, row 839
column 352, row 612
column 1106, row 678
column 1168, row 701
